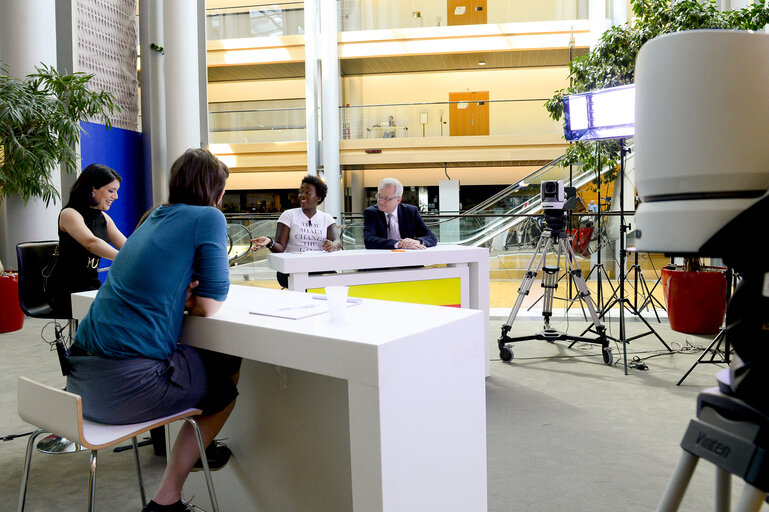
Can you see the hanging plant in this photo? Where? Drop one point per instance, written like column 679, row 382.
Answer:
column 40, row 127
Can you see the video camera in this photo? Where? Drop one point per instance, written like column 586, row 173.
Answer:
column 556, row 200
column 702, row 172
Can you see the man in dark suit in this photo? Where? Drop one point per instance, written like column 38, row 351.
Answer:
column 392, row 225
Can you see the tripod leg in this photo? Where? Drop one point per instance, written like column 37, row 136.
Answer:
column 723, row 490
column 528, row 279
column 705, row 352
column 676, row 488
column 751, row 499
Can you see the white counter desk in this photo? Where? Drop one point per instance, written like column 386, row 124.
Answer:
column 469, row 264
column 364, row 414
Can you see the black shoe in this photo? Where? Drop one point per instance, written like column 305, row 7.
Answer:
column 179, row 506
column 217, row 454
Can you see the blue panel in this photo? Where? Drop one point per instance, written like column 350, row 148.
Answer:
column 121, row 150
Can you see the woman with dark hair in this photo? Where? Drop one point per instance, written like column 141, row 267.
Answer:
column 305, row 228
column 125, row 362
column 85, row 235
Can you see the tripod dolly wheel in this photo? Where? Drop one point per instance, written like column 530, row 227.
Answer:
column 608, row 357
column 505, row 354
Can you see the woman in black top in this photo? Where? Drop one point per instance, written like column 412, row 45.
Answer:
column 85, row 235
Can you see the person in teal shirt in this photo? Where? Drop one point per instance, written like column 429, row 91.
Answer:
column 126, row 362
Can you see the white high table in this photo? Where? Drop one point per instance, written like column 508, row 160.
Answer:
column 381, row 411
column 469, row 264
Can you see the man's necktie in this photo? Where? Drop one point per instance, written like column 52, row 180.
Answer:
column 392, row 228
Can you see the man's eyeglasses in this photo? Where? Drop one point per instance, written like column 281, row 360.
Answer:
column 379, row 196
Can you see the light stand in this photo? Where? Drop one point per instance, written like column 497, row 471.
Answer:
column 599, row 267
column 609, row 114
column 621, row 299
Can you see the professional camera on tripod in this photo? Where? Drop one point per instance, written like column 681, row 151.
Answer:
column 556, row 200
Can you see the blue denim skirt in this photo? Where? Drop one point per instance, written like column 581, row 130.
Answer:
column 121, row 391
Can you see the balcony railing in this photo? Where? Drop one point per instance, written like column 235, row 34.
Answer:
column 432, row 119
column 287, row 18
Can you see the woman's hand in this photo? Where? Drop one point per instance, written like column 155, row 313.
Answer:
column 189, row 301
column 331, row 245
column 258, row 243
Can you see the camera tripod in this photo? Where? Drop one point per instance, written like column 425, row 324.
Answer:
column 553, row 234
column 731, row 434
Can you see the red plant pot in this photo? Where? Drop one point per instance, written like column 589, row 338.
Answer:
column 696, row 301
column 11, row 316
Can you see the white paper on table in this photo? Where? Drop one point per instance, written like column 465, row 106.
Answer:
column 294, row 307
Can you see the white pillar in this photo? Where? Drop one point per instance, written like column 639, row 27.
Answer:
column 448, row 203
column 357, row 191
column 598, row 17
column 311, row 83
column 182, row 94
column 153, row 97
column 330, row 94
column 27, row 38
column 619, row 12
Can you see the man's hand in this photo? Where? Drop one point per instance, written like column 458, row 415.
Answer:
column 410, row 243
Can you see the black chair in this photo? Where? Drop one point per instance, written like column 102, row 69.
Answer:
column 33, row 257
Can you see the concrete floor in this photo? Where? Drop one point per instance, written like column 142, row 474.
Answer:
column 565, row 432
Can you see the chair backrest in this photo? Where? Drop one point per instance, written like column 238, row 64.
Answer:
column 51, row 409
column 33, row 257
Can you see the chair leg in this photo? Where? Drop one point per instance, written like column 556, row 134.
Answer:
column 25, row 471
column 92, row 481
column 139, row 471
column 204, row 460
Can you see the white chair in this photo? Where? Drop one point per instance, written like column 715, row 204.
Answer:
column 54, row 410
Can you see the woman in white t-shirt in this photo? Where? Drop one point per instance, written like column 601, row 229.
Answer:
column 303, row 229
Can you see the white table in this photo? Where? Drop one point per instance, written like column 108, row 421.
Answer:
column 469, row 264
column 362, row 414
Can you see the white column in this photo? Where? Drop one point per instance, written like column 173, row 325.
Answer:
column 448, row 203
column 153, row 97
column 27, row 38
column 357, row 191
column 202, row 72
column 598, row 17
column 182, row 95
column 330, row 93
column 311, row 83
column 619, row 12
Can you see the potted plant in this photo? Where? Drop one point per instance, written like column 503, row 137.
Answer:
column 695, row 296
column 40, row 119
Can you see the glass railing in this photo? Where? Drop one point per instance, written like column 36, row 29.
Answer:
column 287, row 18
column 447, row 118
column 257, row 125
column 258, row 20
column 398, row 120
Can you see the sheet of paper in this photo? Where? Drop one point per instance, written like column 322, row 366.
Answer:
column 295, row 307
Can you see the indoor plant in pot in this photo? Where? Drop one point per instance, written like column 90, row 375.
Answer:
column 40, row 119
column 695, row 296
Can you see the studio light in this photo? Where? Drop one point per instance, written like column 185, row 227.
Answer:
column 604, row 114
